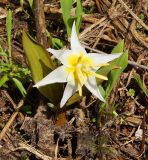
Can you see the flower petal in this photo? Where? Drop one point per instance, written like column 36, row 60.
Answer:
column 75, row 44
column 102, row 58
column 59, row 53
column 91, row 85
column 68, row 92
column 59, row 75
column 56, row 53
column 70, row 79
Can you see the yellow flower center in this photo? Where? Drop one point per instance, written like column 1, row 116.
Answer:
column 80, row 67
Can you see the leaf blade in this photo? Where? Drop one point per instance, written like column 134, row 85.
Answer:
column 20, row 86
column 8, row 29
column 140, row 84
column 3, row 80
column 41, row 64
column 66, row 13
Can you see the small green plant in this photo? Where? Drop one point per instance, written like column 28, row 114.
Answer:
column 130, row 92
column 27, row 109
column 142, row 17
column 114, row 74
column 70, row 17
column 140, row 84
column 9, row 71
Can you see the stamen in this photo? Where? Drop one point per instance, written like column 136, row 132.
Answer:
column 80, row 57
column 80, row 89
column 98, row 75
column 81, row 77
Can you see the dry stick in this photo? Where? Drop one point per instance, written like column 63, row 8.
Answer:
column 10, row 99
column 137, row 35
column 100, row 33
column 91, row 27
column 134, row 15
column 40, row 23
column 11, row 119
column 129, row 38
column 56, row 150
column 129, row 62
column 7, row 126
column 137, row 65
column 32, row 150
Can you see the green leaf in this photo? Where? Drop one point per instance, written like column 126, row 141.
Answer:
column 66, row 6
column 2, row 52
column 21, row 3
column 130, row 92
column 140, row 84
column 41, row 65
column 4, row 69
column 122, row 61
column 3, row 80
column 112, row 65
column 27, row 109
column 114, row 75
column 57, row 43
column 79, row 13
column 119, row 47
column 20, row 86
column 30, row 3
column 141, row 16
column 102, row 91
column 8, row 29
column 68, row 19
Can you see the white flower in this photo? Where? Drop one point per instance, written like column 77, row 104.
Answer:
column 78, row 69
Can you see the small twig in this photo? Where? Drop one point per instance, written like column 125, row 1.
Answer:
column 137, row 65
column 33, row 150
column 100, row 34
column 134, row 15
column 91, row 27
column 128, row 37
column 10, row 99
column 7, row 126
column 12, row 118
column 56, row 150
column 134, row 64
